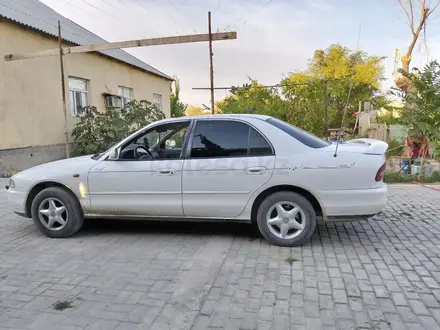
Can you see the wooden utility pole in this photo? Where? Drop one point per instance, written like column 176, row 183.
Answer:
column 326, row 107
column 63, row 90
column 211, row 69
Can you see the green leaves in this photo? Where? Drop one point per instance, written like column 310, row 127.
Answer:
column 177, row 107
column 421, row 113
column 96, row 131
column 300, row 101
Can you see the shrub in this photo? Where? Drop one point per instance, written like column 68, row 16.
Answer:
column 97, row 131
column 409, row 178
column 395, row 148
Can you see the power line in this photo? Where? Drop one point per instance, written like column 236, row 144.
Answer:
column 177, row 10
column 110, row 15
column 308, row 83
column 125, row 6
column 154, row 1
column 39, row 19
column 248, row 11
column 99, row 9
column 92, row 14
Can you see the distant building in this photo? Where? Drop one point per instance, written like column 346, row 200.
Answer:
column 31, row 111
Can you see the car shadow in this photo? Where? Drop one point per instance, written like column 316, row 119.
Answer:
column 94, row 227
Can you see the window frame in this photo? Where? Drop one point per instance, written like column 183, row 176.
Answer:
column 194, row 126
column 152, row 128
column 154, row 101
column 123, row 98
column 74, row 108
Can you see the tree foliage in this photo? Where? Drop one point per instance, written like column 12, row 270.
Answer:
column 252, row 97
column 421, row 113
column 96, row 131
column 177, row 106
column 193, row 110
column 300, row 101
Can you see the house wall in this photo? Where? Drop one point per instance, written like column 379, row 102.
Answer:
column 31, row 111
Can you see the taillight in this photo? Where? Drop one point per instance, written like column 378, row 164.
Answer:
column 380, row 172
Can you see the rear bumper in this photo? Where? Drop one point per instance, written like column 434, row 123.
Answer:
column 353, row 204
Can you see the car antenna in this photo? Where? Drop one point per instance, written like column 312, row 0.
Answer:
column 341, row 130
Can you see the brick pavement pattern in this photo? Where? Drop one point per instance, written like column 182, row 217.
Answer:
column 378, row 274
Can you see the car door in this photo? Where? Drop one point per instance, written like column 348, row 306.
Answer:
column 141, row 186
column 226, row 162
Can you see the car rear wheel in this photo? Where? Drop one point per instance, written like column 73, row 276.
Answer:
column 286, row 219
column 57, row 213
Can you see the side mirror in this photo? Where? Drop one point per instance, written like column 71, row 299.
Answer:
column 113, row 154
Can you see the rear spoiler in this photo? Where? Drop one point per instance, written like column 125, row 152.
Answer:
column 373, row 146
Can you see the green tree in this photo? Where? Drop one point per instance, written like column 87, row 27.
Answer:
column 346, row 72
column 177, row 106
column 421, row 112
column 138, row 114
column 301, row 99
column 252, row 97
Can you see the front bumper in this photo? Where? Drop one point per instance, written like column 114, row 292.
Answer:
column 17, row 200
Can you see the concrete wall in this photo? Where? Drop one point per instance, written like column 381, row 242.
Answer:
column 13, row 160
column 31, row 112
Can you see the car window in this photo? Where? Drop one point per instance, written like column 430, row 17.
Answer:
column 176, row 140
column 163, row 142
column 220, row 139
column 302, row 136
column 258, row 145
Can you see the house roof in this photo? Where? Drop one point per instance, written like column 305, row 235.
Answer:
column 38, row 16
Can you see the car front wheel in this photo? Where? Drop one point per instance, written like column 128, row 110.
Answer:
column 57, row 213
column 286, row 219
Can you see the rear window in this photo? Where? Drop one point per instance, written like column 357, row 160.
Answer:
column 302, row 136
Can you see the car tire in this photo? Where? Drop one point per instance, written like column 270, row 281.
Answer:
column 305, row 220
column 53, row 206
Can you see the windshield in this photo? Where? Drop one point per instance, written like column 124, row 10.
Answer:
column 302, row 136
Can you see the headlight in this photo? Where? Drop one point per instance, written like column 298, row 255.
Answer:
column 11, row 183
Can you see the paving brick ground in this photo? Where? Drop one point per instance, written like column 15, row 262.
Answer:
column 380, row 274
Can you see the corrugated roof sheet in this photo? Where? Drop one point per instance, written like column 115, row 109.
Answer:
column 38, row 16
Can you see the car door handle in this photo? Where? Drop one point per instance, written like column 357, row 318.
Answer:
column 256, row 170
column 166, row 171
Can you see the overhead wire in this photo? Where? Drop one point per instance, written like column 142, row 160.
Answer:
column 93, row 14
column 243, row 15
column 155, row 2
column 184, row 18
column 43, row 20
column 110, row 15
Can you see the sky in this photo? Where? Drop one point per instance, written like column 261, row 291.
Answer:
column 275, row 37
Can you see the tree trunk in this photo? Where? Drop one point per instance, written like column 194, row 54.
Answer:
column 406, row 60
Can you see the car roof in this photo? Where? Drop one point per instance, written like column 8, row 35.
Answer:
column 218, row 116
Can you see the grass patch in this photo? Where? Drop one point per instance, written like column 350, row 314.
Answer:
column 290, row 260
column 61, row 305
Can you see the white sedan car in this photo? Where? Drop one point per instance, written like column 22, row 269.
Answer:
column 243, row 168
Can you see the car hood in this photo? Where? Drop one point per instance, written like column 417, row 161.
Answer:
column 53, row 170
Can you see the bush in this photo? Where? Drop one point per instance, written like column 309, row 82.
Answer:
column 395, row 148
column 409, row 178
column 97, row 131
